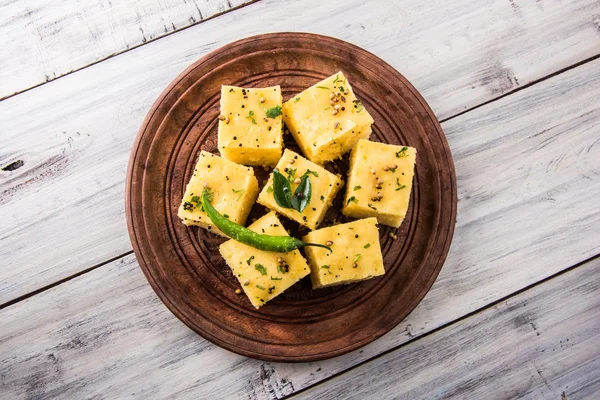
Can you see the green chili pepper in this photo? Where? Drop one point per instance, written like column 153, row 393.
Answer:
column 280, row 244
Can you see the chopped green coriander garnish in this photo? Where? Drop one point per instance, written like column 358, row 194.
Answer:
column 358, row 105
column 291, row 174
column 251, row 117
column 274, row 112
column 283, row 268
column 241, row 192
column 260, row 268
column 402, row 152
column 399, row 185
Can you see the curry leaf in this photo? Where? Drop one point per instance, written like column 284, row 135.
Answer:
column 282, row 190
column 302, row 194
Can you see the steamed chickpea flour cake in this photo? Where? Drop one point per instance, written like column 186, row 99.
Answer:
column 237, row 191
column 355, row 256
column 250, row 131
column 379, row 186
column 327, row 121
column 324, row 186
column 264, row 274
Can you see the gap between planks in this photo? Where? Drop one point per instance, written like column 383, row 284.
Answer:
column 525, row 86
column 123, row 51
column 63, row 280
column 444, row 326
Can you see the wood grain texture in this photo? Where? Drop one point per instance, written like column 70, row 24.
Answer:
column 537, row 345
column 42, row 40
column 301, row 324
column 75, row 150
column 525, row 221
column 45, row 40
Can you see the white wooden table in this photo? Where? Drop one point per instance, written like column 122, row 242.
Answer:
column 515, row 311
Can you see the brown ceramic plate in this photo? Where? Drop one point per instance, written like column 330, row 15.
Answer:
column 183, row 264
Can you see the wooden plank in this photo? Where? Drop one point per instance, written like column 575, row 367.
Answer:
column 63, row 341
column 42, row 40
column 519, row 222
column 537, row 345
column 74, row 134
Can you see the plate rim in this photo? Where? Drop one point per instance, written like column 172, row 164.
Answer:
column 135, row 153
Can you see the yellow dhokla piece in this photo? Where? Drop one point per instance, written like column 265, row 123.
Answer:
column 264, row 274
column 384, row 194
column 327, row 119
column 325, row 186
column 356, row 253
column 250, row 125
column 234, row 189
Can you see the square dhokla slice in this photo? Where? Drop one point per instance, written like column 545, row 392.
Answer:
column 325, row 186
column 250, row 130
column 379, row 182
column 264, row 274
column 326, row 119
column 234, row 189
column 356, row 253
